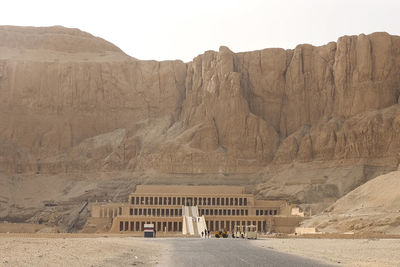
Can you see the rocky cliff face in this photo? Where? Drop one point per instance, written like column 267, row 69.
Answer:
column 245, row 111
column 59, row 87
column 73, row 102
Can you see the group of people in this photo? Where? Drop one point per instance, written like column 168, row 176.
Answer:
column 205, row 234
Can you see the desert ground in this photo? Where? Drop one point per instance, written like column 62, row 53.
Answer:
column 50, row 250
column 113, row 250
column 346, row 252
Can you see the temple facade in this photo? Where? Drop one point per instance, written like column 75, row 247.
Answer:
column 192, row 209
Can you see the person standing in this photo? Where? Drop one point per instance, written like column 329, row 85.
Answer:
column 202, row 234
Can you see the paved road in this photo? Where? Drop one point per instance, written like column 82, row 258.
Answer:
column 227, row 252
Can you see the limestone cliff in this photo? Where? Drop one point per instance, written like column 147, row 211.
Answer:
column 244, row 111
column 59, row 87
column 71, row 102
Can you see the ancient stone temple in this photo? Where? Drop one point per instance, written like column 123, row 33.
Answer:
column 191, row 210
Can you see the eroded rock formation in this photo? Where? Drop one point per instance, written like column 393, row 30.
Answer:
column 275, row 105
column 71, row 102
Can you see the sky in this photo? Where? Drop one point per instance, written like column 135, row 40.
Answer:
column 183, row 29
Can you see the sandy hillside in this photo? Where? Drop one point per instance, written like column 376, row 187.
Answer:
column 374, row 207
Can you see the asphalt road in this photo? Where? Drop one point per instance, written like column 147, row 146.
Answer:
column 227, row 252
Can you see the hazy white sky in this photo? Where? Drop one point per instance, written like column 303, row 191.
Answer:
column 182, row 29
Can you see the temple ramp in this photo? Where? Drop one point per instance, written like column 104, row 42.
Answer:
column 194, row 211
column 201, row 225
column 195, row 227
column 189, row 224
column 193, row 224
column 186, row 211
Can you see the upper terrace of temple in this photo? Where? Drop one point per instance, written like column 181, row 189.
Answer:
column 188, row 189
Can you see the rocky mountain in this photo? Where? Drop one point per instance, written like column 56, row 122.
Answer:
column 309, row 124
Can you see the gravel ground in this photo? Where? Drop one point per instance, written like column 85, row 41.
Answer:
column 54, row 250
column 101, row 251
column 347, row 252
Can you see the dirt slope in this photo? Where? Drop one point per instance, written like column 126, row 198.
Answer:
column 371, row 207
